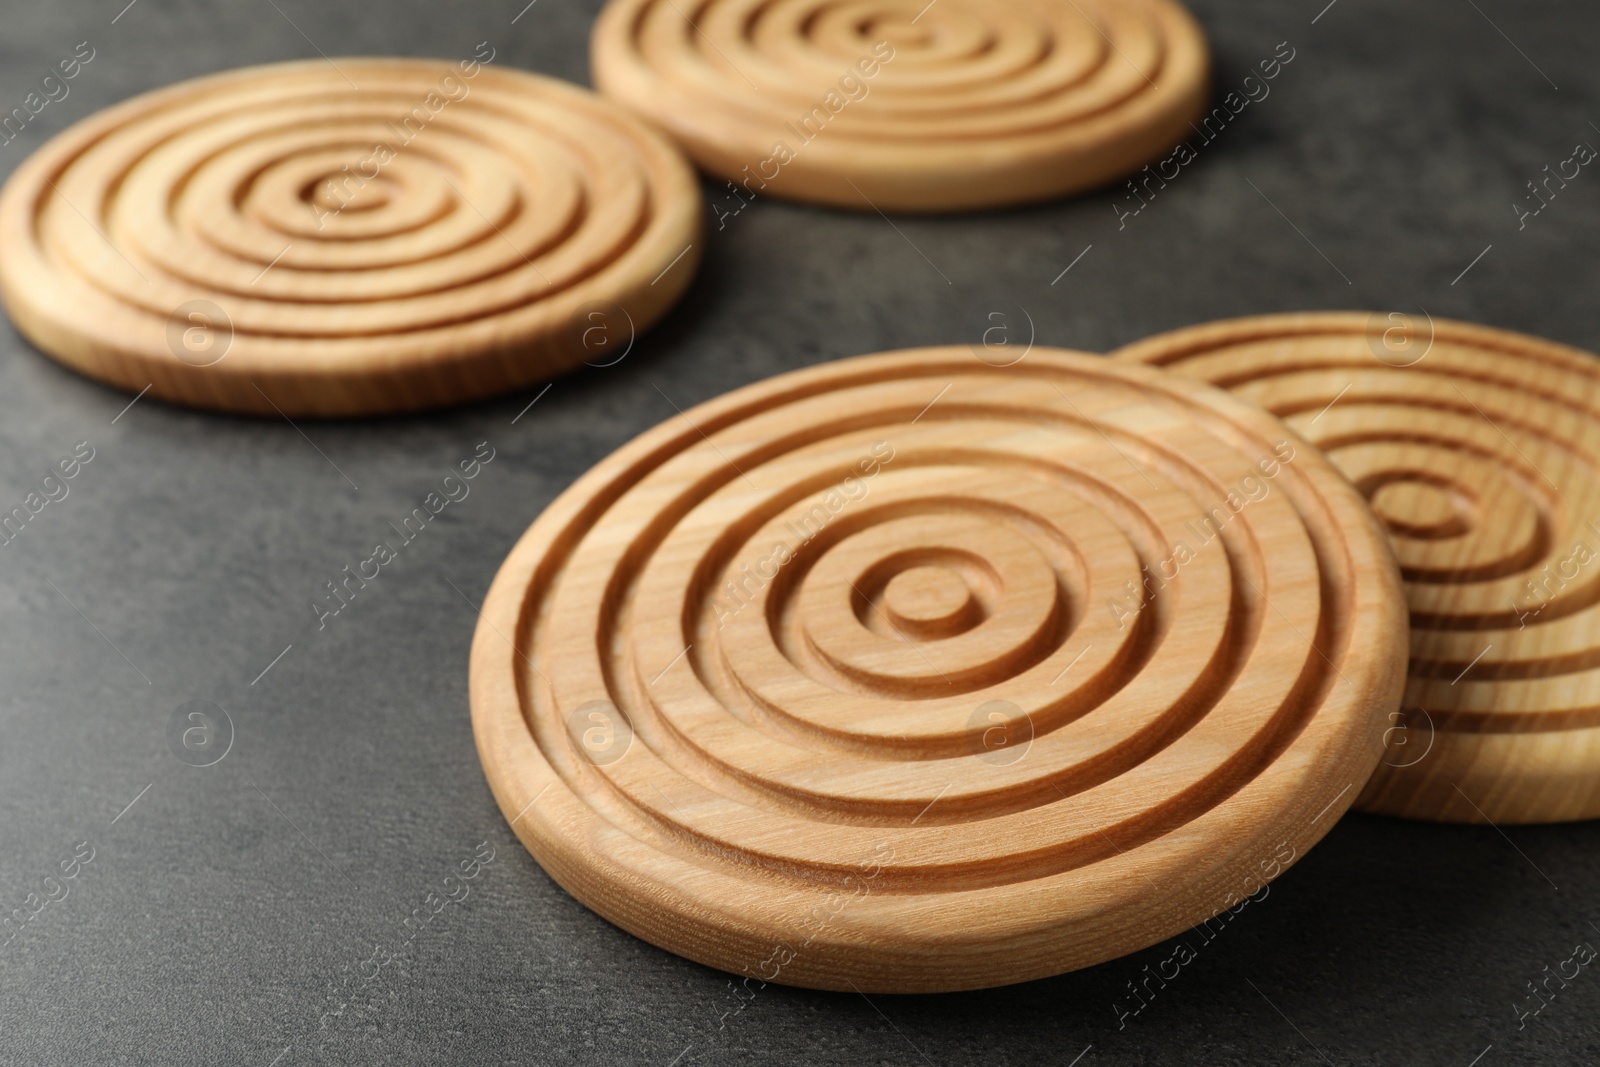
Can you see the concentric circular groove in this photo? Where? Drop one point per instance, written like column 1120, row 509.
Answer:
column 906, row 105
column 1479, row 450
column 852, row 669
column 362, row 236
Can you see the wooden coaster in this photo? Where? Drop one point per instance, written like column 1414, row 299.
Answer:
column 347, row 237
column 1479, row 449
column 906, row 673
column 906, row 105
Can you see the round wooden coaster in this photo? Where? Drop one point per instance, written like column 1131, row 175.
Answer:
column 907, row 673
column 346, row 237
column 907, row 105
column 1479, row 449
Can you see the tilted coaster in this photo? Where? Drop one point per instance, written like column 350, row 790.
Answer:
column 908, row 673
column 1479, row 449
column 905, row 105
column 346, row 237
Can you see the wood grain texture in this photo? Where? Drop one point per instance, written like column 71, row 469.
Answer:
column 904, row 105
column 376, row 236
column 1479, row 449
column 844, row 679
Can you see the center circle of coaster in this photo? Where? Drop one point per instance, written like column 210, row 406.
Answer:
column 1479, row 450
column 909, row 673
column 906, row 105
column 854, row 634
column 347, row 237
column 1418, row 507
column 928, row 600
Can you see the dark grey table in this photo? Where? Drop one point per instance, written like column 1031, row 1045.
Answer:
column 228, row 910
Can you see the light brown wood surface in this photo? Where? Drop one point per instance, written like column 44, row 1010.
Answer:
column 255, row 213
column 843, row 680
column 954, row 105
column 1479, row 449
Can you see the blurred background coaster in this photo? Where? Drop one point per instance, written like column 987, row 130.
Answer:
column 234, row 908
column 346, row 238
column 905, row 105
column 1479, row 450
